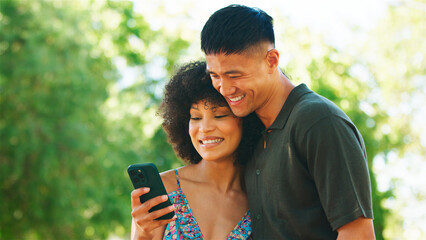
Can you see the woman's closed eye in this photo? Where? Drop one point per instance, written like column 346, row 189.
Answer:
column 221, row 116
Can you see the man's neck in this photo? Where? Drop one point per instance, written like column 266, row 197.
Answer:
column 270, row 110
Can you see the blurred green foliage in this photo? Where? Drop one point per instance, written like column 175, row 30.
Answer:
column 62, row 162
column 70, row 124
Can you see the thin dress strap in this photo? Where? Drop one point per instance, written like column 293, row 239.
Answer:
column 177, row 179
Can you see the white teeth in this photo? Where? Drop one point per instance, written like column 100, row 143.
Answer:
column 237, row 98
column 211, row 141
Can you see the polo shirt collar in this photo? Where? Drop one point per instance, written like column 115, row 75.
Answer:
column 292, row 99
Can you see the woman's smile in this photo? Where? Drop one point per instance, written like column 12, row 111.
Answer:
column 214, row 130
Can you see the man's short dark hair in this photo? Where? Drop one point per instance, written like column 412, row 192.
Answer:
column 236, row 28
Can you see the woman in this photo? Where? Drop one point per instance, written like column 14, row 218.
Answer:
column 208, row 194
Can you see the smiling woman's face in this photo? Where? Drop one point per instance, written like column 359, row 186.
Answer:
column 215, row 131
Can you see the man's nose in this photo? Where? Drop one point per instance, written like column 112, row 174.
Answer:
column 226, row 88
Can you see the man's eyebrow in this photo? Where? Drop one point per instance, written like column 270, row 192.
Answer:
column 194, row 107
column 233, row 72
column 226, row 73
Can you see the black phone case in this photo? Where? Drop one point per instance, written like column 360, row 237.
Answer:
column 146, row 175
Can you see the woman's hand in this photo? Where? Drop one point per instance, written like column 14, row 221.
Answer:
column 143, row 221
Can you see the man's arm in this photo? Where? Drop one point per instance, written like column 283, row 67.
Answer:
column 360, row 228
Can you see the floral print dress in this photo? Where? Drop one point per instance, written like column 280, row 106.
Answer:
column 186, row 227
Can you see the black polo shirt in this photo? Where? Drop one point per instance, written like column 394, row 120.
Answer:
column 309, row 174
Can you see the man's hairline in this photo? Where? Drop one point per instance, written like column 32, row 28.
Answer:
column 249, row 50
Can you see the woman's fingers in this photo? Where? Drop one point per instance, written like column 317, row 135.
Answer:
column 135, row 196
column 148, row 223
column 159, row 223
column 161, row 212
column 155, row 201
column 149, row 226
column 144, row 220
column 142, row 209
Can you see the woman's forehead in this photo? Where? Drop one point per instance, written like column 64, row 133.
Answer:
column 209, row 105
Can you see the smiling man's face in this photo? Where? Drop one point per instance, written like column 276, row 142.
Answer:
column 242, row 79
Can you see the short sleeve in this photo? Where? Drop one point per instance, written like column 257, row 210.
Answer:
column 336, row 159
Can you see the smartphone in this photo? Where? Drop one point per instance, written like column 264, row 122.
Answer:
column 146, row 175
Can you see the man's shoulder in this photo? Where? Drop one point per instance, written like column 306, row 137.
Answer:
column 312, row 107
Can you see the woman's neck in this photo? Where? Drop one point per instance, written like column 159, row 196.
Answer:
column 222, row 175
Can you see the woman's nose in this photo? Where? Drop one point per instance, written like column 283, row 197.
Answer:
column 206, row 125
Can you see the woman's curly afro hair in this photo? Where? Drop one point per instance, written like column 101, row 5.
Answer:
column 189, row 85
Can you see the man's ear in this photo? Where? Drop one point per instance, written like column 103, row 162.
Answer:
column 272, row 59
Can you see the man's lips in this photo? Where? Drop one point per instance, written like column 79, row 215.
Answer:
column 237, row 98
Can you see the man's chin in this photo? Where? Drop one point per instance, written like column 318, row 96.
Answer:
column 239, row 112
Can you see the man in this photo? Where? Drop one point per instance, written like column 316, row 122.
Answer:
column 308, row 178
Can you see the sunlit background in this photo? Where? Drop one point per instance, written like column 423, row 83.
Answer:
column 80, row 82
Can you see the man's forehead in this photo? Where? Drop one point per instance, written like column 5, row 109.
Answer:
column 224, row 56
column 225, row 62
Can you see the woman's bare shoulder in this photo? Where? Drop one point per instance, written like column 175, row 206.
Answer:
column 169, row 180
